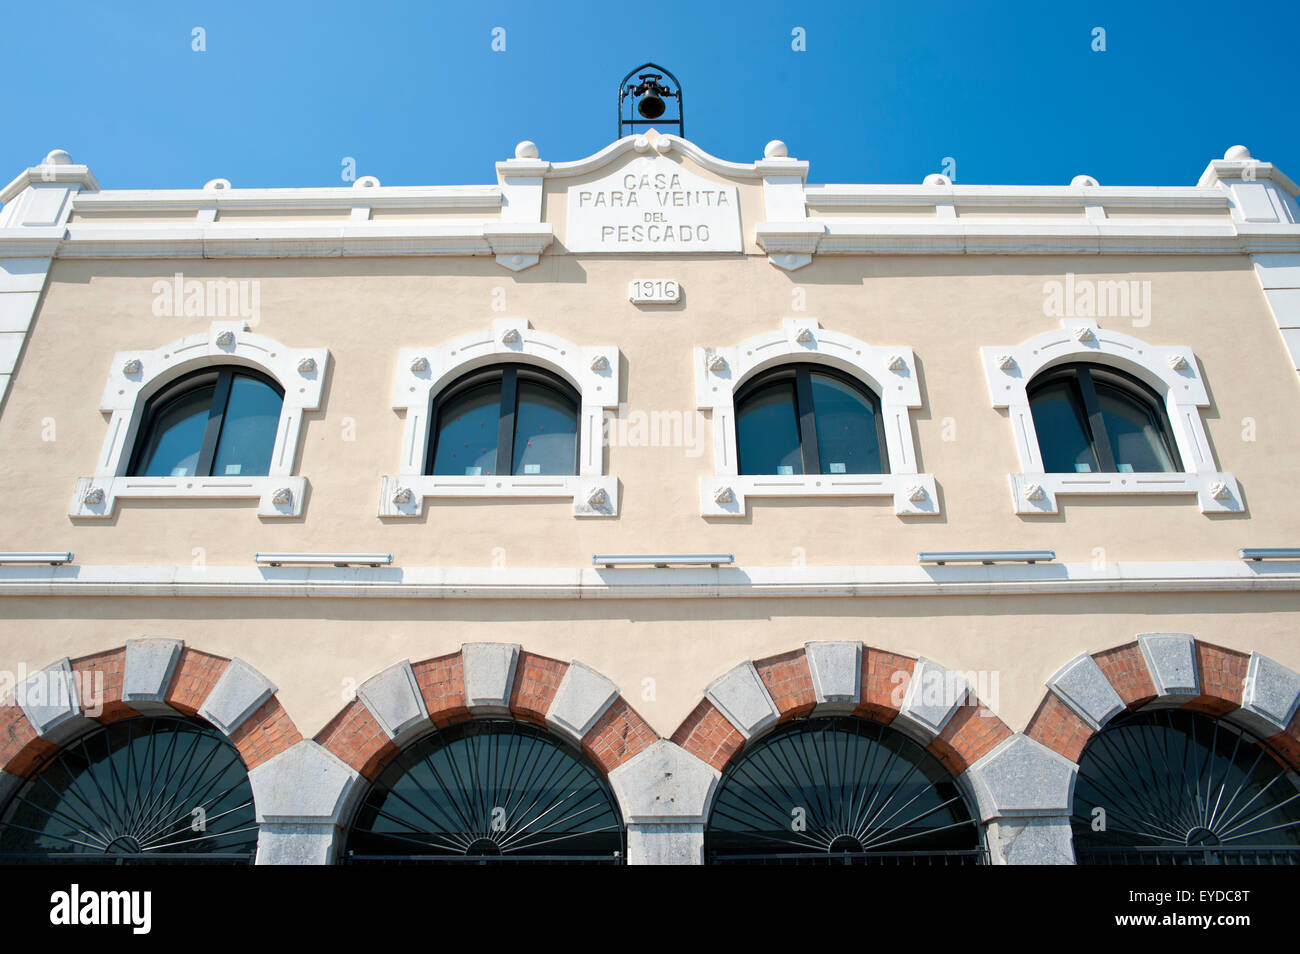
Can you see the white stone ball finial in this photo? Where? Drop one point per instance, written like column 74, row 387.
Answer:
column 1237, row 154
column 526, row 150
column 775, row 149
column 58, row 157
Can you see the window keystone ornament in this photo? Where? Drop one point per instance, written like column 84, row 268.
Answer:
column 723, row 495
column 896, row 363
column 306, row 365
column 1006, row 362
column 718, row 364
column 420, row 365
column 93, row 497
column 597, row 498
column 134, row 366
column 803, row 335
column 510, row 336
column 226, row 339
column 283, row 497
column 1034, row 492
column 1083, row 334
column 402, row 497
column 1177, row 362
column 1219, row 491
column 600, row 363
column 916, row 493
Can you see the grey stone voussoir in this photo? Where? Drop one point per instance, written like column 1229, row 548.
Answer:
column 394, row 699
column 933, row 695
column 489, row 670
column 665, row 844
column 740, row 695
column 1033, row 841
column 836, row 670
column 581, row 698
column 1171, row 660
column 1082, row 686
column 50, row 701
column 297, row 844
column 236, row 696
column 1022, row 777
column 664, row 783
column 147, row 672
column 304, row 785
column 1269, row 696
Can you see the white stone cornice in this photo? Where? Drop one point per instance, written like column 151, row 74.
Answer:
column 289, row 200
column 48, row 174
column 621, row 147
column 425, row 582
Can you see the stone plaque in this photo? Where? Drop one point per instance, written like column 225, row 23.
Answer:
column 653, row 205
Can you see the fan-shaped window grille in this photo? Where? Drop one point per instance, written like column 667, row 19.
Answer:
column 840, row 791
column 138, row 791
column 1171, row 786
column 488, row 792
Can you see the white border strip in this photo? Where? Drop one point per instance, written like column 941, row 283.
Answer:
column 681, row 583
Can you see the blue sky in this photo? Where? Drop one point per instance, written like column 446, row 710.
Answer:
column 415, row 94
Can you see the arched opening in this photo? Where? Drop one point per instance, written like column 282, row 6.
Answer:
column 488, row 791
column 840, row 790
column 1174, row 786
column 148, row 790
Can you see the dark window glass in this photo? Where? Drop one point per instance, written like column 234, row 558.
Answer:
column 1092, row 419
column 127, row 793
column 488, row 791
column 247, row 429
column 467, row 438
column 508, row 420
column 1179, row 787
column 862, row 793
column 767, row 431
column 546, row 431
column 174, row 441
column 801, row 419
column 213, row 423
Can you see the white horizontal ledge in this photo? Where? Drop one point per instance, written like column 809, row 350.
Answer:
column 630, row 583
column 1037, row 493
column 95, row 498
column 404, row 495
column 726, row 495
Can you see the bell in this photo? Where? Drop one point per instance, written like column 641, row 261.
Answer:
column 650, row 106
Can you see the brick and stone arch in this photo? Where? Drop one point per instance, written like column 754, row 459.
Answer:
column 936, row 708
column 1169, row 671
column 147, row 678
column 408, row 701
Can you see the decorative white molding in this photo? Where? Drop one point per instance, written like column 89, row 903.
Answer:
column 1170, row 371
column 719, row 372
column 741, row 582
column 424, row 372
column 138, row 375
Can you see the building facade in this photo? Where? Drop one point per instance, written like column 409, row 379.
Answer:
column 650, row 508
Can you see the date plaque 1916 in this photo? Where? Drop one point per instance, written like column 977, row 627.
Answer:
column 654, row 291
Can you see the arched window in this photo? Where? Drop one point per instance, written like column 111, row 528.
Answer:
column 806, row 419
column 217, row 422
column 488, row 791
column 143, row 790
column 1093, row 419
column 512, row 420
column 1172, row 786
column 840, row 791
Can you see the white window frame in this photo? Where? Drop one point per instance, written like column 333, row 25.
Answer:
column 138, row 375
column 1171, row 371
column 890, row 372
column 423, row 373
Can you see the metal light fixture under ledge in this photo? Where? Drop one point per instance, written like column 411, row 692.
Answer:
column 323, row 559
column 1269, row 553
column 53, row 559
column 611, row 560
column 987, row 557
